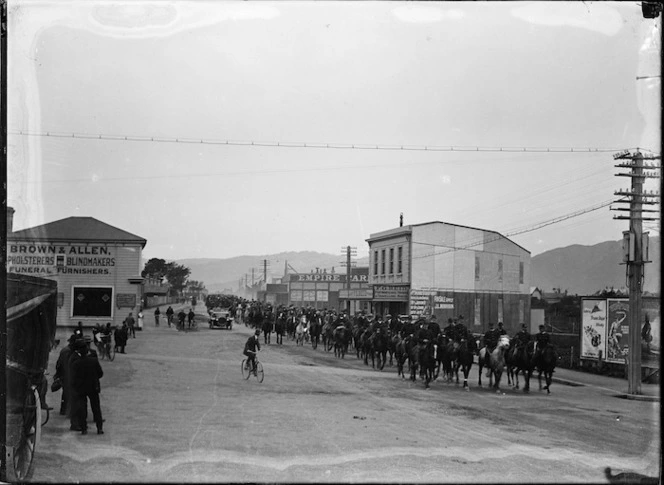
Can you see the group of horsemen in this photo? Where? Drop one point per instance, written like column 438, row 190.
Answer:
column 422, row 331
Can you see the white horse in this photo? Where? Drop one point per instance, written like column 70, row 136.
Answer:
column 496, row 361
column 299, row 334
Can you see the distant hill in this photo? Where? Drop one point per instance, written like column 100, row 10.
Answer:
column 584, row 270
column 219, row 274
column 581, row 270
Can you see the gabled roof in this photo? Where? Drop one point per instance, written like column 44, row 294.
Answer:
column 77, row 229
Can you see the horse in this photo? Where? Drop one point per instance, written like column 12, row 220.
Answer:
column 464, row 360
column 299, row 334
column 267, row 330
column 401, row 354
column 427, row 361
column 496, row 362
column 393, row 340
column 290, row 327
column 546, row 364
column 279, row 328
column 413, row 359
column 366, row 347
column 340, row 341
column 328, row 338
column 519, row 358
column 380, row 345
column 314, row 331
column 444, row 357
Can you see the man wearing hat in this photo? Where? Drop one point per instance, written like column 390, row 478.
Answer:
column 522, row 336
column 251, row 347
column 62, row 373
column 460, row 331
column 490, row 342
column 434, row 328
column 501, row 331
column 542, row 339
column 86, row 372
column 79, row 348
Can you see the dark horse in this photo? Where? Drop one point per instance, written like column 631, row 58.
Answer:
column 401, row 354
column 444, row 357
column 519, row 358
column 427, row 361
column 267, row 328
column 280, row 328
column 314, row 332
column 380, row 344
column 464, row 361
column 546, row 364
column 341, row 338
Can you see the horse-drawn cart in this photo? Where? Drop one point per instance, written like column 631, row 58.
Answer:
column 31, row 317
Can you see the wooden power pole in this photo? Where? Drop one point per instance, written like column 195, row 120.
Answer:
column 635, row 254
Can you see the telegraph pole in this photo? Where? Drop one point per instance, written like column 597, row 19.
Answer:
column 635, row 244
column 350, row 251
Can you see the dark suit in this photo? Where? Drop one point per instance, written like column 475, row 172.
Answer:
column 86, row 373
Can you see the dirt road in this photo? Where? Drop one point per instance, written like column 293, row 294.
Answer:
column 178, row 410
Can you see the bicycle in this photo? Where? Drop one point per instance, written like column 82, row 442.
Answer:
column 106, row 350
column 257, row 370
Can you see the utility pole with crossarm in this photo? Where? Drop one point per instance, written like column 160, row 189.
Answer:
column 635, row 248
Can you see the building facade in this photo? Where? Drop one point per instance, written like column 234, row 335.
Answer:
column 449, row 270
column 96, row 266
column 333, row 291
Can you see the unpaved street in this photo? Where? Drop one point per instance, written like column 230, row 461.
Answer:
column 178, row 410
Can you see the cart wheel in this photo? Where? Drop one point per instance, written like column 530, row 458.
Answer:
column 259, row 372
column 111, row 353
column 245, row 370
column 46, row 414
column 21, row 456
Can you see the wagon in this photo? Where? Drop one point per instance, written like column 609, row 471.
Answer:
column 31, row 325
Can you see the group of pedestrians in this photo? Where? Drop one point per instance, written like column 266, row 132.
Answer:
column 184, row 319
column 78, row 372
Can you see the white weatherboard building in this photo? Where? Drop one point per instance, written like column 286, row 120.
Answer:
column 96, row 266
column 448, row 270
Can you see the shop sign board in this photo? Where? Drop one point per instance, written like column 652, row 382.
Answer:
column 329, row 278
column 593, row 333
column 356, row 294
column 125, row 300
column 390, row 293
column 46, row 259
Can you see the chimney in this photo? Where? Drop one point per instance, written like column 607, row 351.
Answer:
column 401, row 220
column 10, row 219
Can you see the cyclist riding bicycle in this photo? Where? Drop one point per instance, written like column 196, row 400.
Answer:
column 250, row 349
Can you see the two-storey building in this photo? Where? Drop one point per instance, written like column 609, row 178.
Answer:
column 448, row 270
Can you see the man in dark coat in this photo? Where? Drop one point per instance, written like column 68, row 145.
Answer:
column 86, row 372
column 62, row 372
column 169, row 315
column 121, row 336
column 80, row 348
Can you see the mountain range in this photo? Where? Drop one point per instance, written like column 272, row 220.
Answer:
column 581, row 270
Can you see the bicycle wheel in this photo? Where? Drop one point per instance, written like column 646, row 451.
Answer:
column 259, row 371
column 111, row 352
column 101, row 352
column 245, row 370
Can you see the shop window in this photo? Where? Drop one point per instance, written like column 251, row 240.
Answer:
column 478, row 311
column 400, row 259
column 500, row 270
column 521, row 273
column 60, row 260
column 391, row 260
column 382, row 261
column 92, row 301
column 376, row 263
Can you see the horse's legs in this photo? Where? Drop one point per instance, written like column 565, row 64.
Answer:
column 481, row 366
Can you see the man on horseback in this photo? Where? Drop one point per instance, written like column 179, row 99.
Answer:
column 522, row 337
column 542, row 339
column 250, row 349
column 501, row 330
column 490, row 342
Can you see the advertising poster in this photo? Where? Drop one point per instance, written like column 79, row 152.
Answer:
column 650, row 329
column 593, row 334
column 617, row 331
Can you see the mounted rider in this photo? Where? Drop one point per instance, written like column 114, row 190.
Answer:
column 522, row 337
column 501, row 330
column 491, row 337
column 459, row 332
column 434, row 328
column 542, row 339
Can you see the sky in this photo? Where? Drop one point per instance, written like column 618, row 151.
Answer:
column 168, row 119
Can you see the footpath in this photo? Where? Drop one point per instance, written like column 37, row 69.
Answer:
column 649, row 392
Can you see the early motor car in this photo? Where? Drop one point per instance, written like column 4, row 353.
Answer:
column 221, row 318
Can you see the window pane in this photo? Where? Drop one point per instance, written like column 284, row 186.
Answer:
column 477, row 268
column 92, row 302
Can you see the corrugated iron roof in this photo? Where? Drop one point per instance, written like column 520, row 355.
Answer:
column 77, row 229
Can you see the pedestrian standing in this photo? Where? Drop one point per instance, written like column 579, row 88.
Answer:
column 190, row 316
column 140, row 319
column 182, row 316
column 80, row 348
column 86, row 372
column 62, row 373
column 121, row 336
column 157, row 313
column 130, row 325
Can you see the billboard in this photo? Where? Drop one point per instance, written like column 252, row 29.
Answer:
column 617, row 330
column 593, row 328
